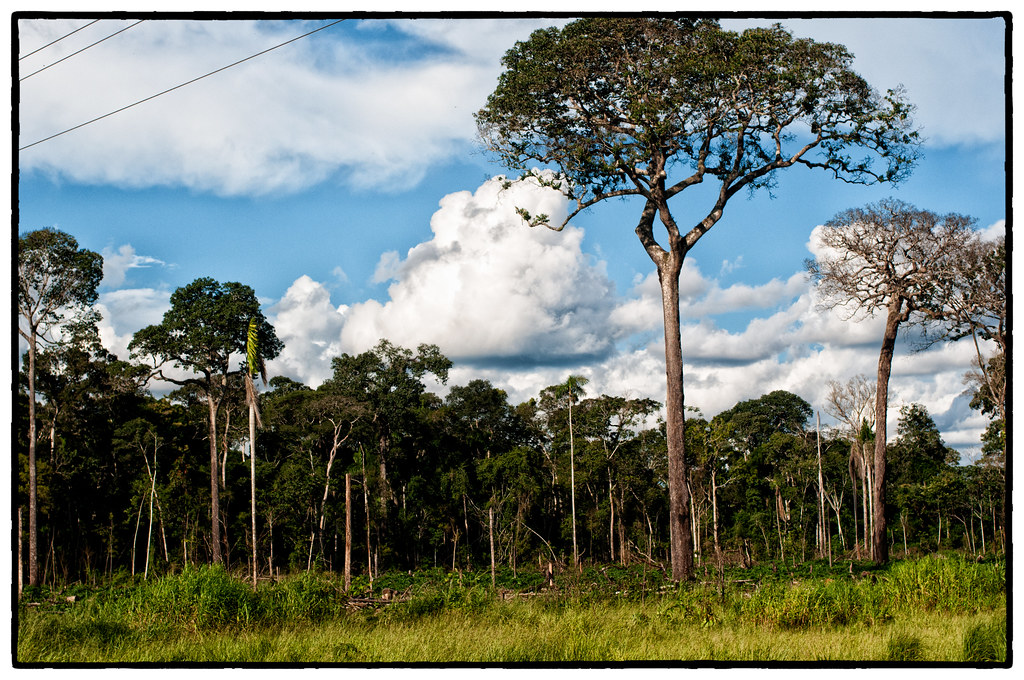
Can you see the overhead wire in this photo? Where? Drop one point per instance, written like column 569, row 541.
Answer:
column 58, row 39
column 81, row 50
column 178, row 87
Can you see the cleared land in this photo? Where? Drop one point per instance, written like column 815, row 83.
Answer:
column 927, row 610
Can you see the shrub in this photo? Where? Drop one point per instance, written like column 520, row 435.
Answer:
column 204, row 597
column 309, row 595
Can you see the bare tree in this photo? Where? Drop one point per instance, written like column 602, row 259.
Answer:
column 886, row 256
column 970, row 301
column 853, row 404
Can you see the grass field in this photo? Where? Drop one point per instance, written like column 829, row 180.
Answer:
column 945, row 610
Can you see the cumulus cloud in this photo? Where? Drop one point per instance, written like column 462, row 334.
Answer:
column 487, row 287
column 994, row 231
column 125, row 311
column 524, row 307
column 310, row 328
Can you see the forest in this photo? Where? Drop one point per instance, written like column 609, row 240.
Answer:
column 373, row 471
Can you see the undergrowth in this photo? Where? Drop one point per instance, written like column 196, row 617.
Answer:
column 200, row 604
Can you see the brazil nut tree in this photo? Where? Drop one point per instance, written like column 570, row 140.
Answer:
column 654, row 107
column 207, row 325
column 888, row 256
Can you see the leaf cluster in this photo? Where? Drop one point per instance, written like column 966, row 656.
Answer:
column 617, row 105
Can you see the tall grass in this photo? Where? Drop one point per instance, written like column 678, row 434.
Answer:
column 927, row 610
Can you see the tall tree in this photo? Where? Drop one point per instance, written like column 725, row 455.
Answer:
column 388, row 380
column 571, row 390
column 888, row 257
column 206, row 326
column 654, row 107
column 254, row 365
column 57, row 288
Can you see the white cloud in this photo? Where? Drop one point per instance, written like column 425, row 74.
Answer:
column 284, row 121
column 525, row 307
column 952, row 68
column 729, row 266
column 126, row 311
column 336, row 106
column 117, row 263
column 310, row 328
column 486, row 286
column 483, row 39
column 993, row 231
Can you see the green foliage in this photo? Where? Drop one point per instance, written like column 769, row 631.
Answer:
column 204, row 597
column 919, row 452
column 612, row 101
column 57, row 282
column 950, row 583
column 904, row 648
column 610, row 614
column 207, row 323
column 308, row 596
column 985, row 643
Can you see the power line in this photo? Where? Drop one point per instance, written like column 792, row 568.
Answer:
column 59, row 39
column 177, row 87
column 82, row 50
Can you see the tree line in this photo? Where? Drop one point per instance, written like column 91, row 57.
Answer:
column 373, row 470
column 614, row 107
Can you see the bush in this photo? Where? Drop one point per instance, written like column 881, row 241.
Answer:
column 204, row 597
column 309, row 595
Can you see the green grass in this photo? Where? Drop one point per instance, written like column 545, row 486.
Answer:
column 929, row 610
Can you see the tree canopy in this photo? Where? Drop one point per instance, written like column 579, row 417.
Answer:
column 619, row 105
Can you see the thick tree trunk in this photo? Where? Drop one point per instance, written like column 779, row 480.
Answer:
column 678, row 496
column 214, row 484
column 879, row 544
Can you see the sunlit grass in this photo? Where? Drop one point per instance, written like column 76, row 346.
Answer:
column 620, row 633
column 931, row 611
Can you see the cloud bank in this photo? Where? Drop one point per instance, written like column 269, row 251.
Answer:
column 375, row 104
column 523, row 307
column 340, row 104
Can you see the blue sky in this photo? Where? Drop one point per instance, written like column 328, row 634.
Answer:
column 340, row 177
